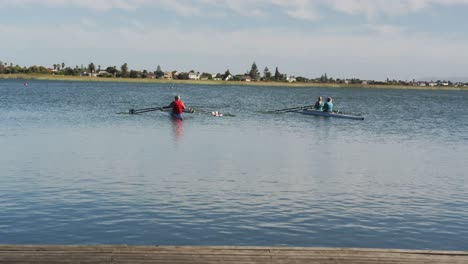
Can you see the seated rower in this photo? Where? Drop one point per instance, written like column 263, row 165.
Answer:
column 177, row 107
column 328, row 106
column 319, row 104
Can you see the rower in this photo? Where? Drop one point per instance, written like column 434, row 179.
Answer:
column 177, row 107
column 319, row 104
column 328, row 106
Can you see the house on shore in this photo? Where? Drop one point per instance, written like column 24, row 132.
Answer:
column 194, row 75
column 168, row 75
column 291, row 79
column 151, row 76
column 104, row 74
column 246, row 78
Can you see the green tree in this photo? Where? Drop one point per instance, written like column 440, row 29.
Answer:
column 70, row 71
column 17, row 69
column 206, row 75
column 278, row 75
column 43, row 69
column 134, row 74
column 183, row 76
column 159, row 73
column 112, row 70
column 144, row 74
column 124, row 70
column 91, row 68
column 266, row 74
column 226, row 74
column 254, row 73
column 63, row 65
column 324, row 78
column 301, row 79
column 33, row 69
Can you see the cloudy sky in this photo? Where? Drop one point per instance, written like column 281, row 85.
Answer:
column 367, row 39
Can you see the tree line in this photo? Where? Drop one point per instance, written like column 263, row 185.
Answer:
column 124, row 71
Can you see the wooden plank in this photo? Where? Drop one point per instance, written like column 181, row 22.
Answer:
column 40, row 254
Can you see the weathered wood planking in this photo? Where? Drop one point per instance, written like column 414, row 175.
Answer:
column 18, row 254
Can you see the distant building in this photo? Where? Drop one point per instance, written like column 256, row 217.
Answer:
column 194, row 75
column 291, row 79
column 168, row 75
column 103, row 74
column 246, row 78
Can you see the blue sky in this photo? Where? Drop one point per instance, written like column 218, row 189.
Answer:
column 367, row 39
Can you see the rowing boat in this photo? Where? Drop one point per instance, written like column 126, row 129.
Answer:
column 320, row 113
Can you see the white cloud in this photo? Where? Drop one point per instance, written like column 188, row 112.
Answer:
column 375, row 7
column 99, row 5
column 301, row 9
column 178, row 6
column 386, row 29
column 186, row 8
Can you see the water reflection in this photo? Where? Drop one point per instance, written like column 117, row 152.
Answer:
column 177, row 128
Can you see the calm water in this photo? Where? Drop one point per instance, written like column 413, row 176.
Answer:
column 72, row 171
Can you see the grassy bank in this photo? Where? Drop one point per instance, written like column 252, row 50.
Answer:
column 210, row 82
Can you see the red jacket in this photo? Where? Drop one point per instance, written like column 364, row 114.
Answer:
column 177, row 107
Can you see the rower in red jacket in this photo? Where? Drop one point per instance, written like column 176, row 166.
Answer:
column 177, row 107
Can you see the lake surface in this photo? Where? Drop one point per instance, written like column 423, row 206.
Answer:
column 73, row 171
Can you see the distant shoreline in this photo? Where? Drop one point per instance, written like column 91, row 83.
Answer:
column 47, row 77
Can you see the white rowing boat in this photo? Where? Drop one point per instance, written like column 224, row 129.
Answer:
column 338, row 115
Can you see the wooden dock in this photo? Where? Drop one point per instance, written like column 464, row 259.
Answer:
column 38, row 254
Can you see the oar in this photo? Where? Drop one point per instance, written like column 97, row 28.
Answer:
column 290, row 109
column 133, row 111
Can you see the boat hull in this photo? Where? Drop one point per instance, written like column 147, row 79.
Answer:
column 176, row 116
column 337, row 115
